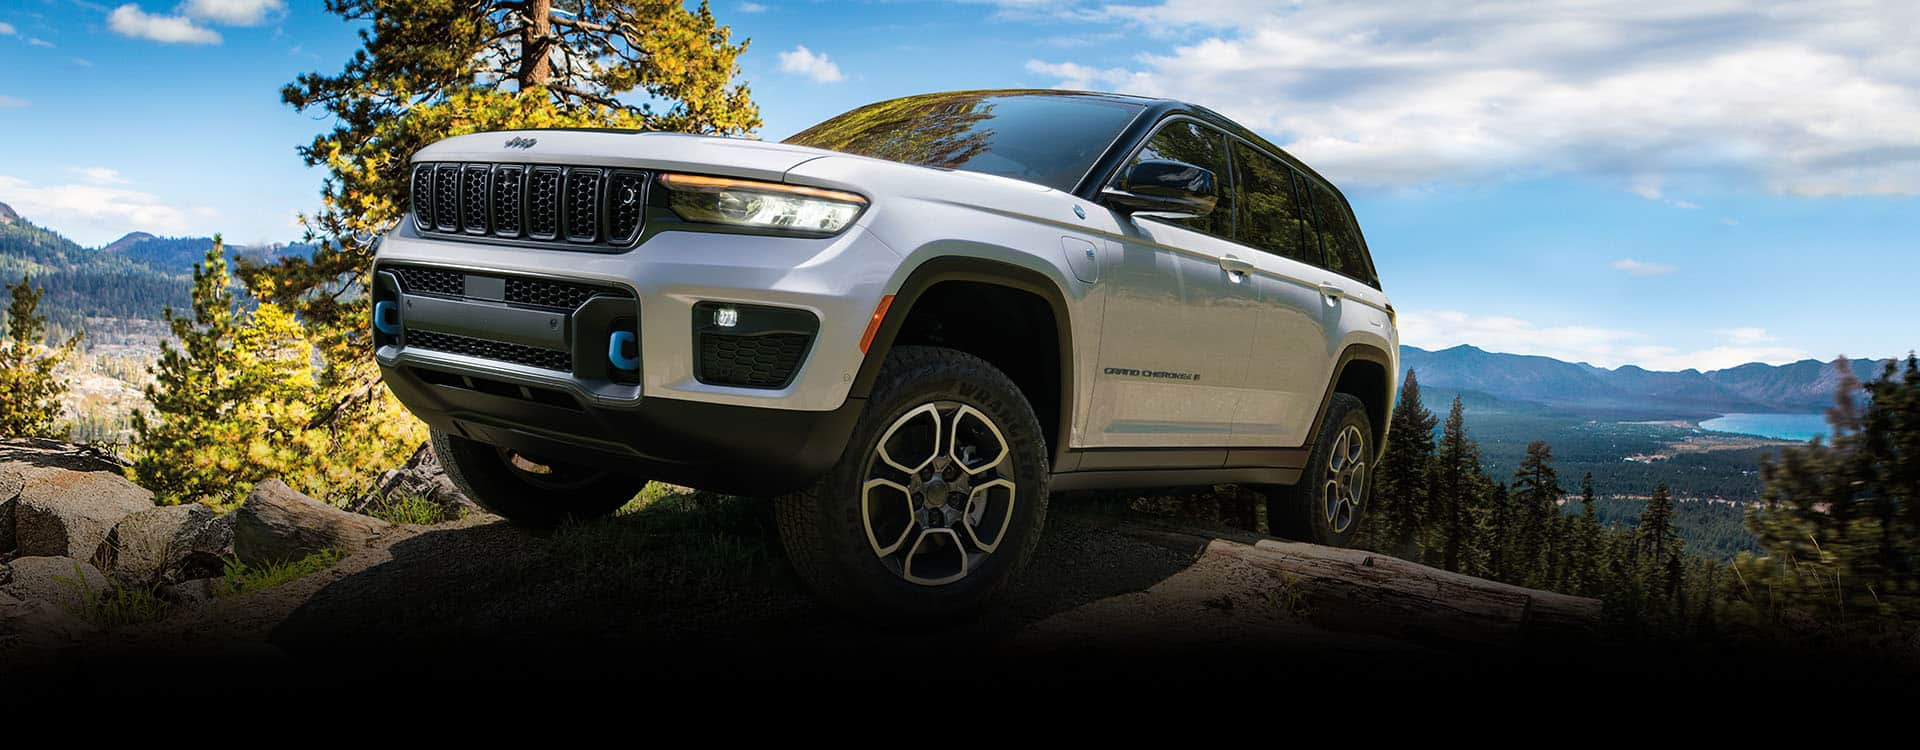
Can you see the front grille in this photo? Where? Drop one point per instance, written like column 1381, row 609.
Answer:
column 432, row 281
column 583, row 205
column 574, row 206
column 547, row 359
column 766, row 361
column 521, row 290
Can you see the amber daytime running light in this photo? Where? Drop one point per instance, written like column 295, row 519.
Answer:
column 761, row 205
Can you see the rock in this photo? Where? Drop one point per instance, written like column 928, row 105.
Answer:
column 40, row 627
column 188, row 594
column 60, row 581
column 276, row 524
column 10, row 485
column 166, row 545
column 69, row 513
column 423, row 477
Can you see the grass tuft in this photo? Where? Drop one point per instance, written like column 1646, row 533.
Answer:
column 405, row 508
column 240, row 578
column 117, row 604
column 674, row 534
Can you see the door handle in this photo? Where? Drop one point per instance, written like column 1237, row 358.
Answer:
column 1235, row 265
column 1331, row 290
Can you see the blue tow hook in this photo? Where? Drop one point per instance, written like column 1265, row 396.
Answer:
column 616, row 351
column 386, row 318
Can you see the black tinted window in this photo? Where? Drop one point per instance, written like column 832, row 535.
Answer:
column 1193, row 143
column 1271, row 217
column 1049, row 139
column 1339, row 238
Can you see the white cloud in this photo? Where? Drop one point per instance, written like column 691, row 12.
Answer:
column 100, row 175
column 1643, row 268
column 129, row 20
column 95, row 214
column 1604, row 347
column 232, row 12
column 38, row 42
column 1746, row 336
column 1811, row 98
column 752, row 8
column 7, row 29
column 7, row 102
column 803, row 61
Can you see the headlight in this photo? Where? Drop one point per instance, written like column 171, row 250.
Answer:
column 763, row 205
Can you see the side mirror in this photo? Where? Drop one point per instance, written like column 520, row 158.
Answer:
column 1165, row 187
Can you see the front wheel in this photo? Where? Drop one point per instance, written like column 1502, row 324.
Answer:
column 531, row 490
column 1324, row 507
column 938, row 500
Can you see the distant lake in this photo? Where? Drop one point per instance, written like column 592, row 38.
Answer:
column 1799, row 427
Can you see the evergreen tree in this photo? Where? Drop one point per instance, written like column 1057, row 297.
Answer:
column 228, row 403
column 1536, row 497
column 1658, row 545
column 32, row 402
column 1402, row 494
column 1840, row 521
column 1588, row 554
column 1457, row 487
column 429, row 69
column 1496, row 534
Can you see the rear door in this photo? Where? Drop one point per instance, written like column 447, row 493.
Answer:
column 1180, row 314
column 1295, row 340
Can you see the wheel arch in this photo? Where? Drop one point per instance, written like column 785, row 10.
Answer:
column 1365, row 372
column 1050, row 392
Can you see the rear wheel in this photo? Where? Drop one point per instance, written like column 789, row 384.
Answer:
column 531, row 490
column 1324, row 507
column 938, row 500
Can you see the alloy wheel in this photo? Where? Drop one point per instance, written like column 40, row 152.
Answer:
column 938, row 495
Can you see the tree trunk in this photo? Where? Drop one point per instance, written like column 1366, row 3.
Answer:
column 1359, row 591
column 536, row 44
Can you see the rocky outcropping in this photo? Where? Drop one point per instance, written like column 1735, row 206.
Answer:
column 167, row 545
column 423, row 477
column 278, row 524
column 60, row 500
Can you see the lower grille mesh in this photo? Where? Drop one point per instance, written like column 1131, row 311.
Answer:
column 765, row 361
column 548, row 359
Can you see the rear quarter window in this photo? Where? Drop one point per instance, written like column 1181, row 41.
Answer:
column 1339, row 237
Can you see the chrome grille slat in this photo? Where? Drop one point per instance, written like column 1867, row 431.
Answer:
column 584, row 207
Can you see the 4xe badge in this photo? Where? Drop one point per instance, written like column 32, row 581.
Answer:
column 521, row 143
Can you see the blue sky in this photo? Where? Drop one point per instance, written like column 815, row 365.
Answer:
column 1670, row 183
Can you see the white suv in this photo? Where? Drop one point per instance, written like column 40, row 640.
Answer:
column 909, row 322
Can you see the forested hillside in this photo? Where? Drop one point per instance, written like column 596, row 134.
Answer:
column 135, row 277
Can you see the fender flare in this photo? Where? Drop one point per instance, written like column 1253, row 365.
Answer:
column 1356, row 353
column 984, row 271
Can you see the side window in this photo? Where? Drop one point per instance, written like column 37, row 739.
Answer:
column 1202, row 146
column 1271, row 218
column 1339, row 238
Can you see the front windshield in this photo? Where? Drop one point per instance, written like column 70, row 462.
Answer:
column 1047, row 138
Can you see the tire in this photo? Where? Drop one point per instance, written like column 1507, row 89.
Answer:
column 495, row 479
column 912, row 562
column 1303, row 512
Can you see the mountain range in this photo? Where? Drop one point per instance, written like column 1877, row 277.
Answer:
column 1629, row 391
column 136, row 276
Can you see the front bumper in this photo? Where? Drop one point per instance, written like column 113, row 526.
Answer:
column 718, row 447
column 662, row 421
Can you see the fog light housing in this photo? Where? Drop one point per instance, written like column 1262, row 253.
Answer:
column 726, row 317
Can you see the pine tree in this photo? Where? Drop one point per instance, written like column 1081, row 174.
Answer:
column 1536, row 496
column 1403, row 496
column 1457, row 486
column 1840, row 521
column 1496, row 534
column 429, row 69
column 1588, row 555
column 1658, row 544
column 32, row 402
column 228, row 408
